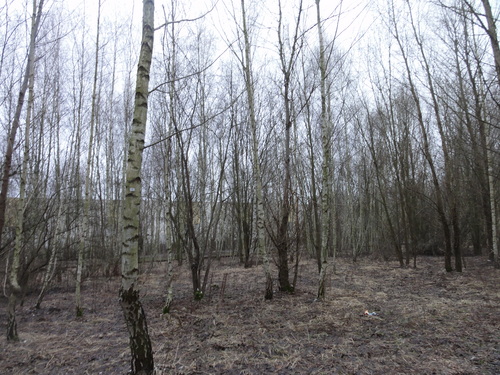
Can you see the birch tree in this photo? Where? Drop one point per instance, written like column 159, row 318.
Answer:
column 85, row 228
column 246, row 63
column 326, row 169
column 19, row 240
column 243, row 193
column 13, row 277
column 135, row 317
column 53, row 105
column 495, row 46
column 6, row 170
column 307, row 88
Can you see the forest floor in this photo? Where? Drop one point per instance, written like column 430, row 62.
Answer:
column 428, row 322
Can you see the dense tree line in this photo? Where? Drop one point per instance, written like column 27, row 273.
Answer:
column 274, row 132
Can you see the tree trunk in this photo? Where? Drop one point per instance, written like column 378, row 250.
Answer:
column 61, row 185
column 261, row 240
column 287, row 67
column 478, row 144
column 85, row 231
column 492, row 33
column 315, row 228
column 325, row 167
column 140, row 343
column 18, row 244
column 28, row 79
column 135, row 319
column 168, row 233
column 37, row 13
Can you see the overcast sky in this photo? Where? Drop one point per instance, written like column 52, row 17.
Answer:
column 356, row 17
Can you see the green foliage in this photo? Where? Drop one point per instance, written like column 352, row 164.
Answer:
column 198, row 295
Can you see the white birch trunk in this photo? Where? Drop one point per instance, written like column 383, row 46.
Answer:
column 325, row 168
column 494, row 218
column 135, row 318
column 170, row 267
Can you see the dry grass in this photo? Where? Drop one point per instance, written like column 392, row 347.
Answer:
column 428, row 322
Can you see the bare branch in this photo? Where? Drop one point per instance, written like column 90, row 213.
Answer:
column 187, row 19
column 157, row 87
column 176, row 132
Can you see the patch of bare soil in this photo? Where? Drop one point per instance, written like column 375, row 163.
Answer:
column 427, row 322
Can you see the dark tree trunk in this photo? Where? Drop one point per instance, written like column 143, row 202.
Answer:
column 283, row 272
column 269, row 288
column 457, row 250
column 140, row 343
column 11, row 322
column 447, row 242
column 196, row 280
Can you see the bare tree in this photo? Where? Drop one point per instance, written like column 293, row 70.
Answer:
column 13, row 279
column 440, row 196
column 313, row 232
column 326, row 168
column 492, row 34
column 246, row 62
column 135, row 318
column 287, row 66
column 85, row 228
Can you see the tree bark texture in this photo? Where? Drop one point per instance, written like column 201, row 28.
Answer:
column 135, row 319
column 140, row 342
